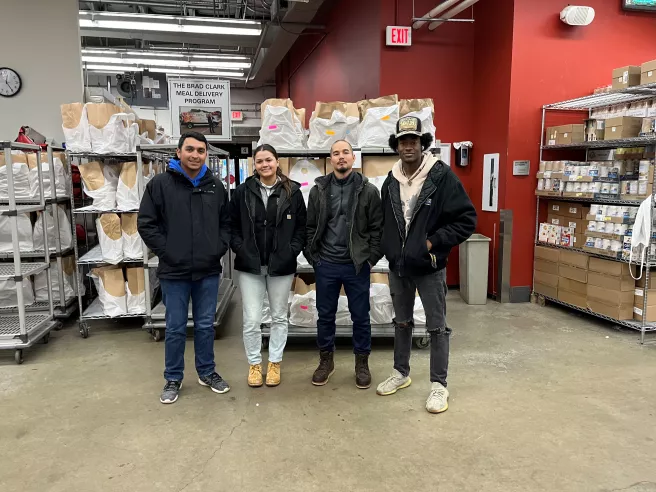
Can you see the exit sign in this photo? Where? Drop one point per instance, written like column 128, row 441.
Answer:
column 237, row 116
column 399, row 36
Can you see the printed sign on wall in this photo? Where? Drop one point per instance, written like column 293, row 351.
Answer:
column 201, row 105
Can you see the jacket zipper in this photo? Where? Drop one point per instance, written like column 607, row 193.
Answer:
column 355, row 207
column 317, row 229
column 250, row 216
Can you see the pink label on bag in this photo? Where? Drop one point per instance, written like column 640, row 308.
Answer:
column 305, row 183
column 273, row 127
column 304, row 307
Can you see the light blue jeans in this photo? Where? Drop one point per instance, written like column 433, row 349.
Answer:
column 253, row 289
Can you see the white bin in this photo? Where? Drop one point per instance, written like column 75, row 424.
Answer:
column 474, row 257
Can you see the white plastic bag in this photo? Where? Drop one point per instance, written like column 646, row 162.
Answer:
column 110, row 237
column 377, row 125
column 132, row 246
column 9, row 296
column 111, row 290
column 65, row 232
column 380, row 302
column 325, row 132
column 303, row 311
column 301, row 261
column 117, row 136
column 127, row 191
column 100, row 182
column 640, row 239
column 304, row 172
column 281, row 129
column 378, row 182
column 25, row 241
column 33, row 177
column 419, row 314
column 136, row 290
column 75, row 124
column 20, row 173
column 41, row 285
column 343, row 315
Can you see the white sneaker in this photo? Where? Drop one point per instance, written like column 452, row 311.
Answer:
column 393, row 383
column 438, row 399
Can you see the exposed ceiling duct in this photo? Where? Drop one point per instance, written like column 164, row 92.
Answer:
column 452, row 13
column 434, row 13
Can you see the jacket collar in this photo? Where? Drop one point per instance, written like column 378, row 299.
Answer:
column 323, row 182
column 176, row 167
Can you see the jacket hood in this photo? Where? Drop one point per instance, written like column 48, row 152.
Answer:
column 324, row 181
column 435, row 174
column 427, row 164
column 176, row 167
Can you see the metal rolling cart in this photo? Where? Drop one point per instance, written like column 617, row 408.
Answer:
column 419, row 334
column 64, row 306
column 89, row 255
column 588, row 104
column 155, row 318
column 24, row 328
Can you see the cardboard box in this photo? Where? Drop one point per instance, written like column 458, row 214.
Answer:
column 623, row 311
column 624, row 77
column 378, row 166
column 610, row 297
column 572, row 273
column 567, row 209
column 601, row 154
column 545, row 278
column 575, row 259
column 620, row 284
column 545, row 266
column 613, row 268
column 638, row 312
column 547, row 254
column 579, row 225
column 565, row 134
column 546, row 290
column 648, row 73
column 622, row 127
column 639, row 297
column 572, row 286
column 379, row 278
column 572, row 298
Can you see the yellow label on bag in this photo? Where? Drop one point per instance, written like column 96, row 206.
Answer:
column 330, row 132
column 385, row 118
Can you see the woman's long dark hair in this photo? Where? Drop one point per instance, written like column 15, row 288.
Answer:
column 286, row 183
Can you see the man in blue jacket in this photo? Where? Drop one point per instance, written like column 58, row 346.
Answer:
column 183, row 219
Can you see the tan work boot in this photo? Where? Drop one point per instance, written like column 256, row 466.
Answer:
column 273, row 374
column 255, row 376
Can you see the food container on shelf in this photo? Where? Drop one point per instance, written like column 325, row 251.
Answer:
column 599, row 243
column 612, row 211
column 606, row 244
column 620, row 229
column 595, row 187
column 585, row 187
column 605, row 188
column 615, row 246
column 603, row 170
column 590, row 242
column 592, row 226
column 594, row 209
column 614, row 188
column 543, row 166
column 540, row 184
column 601, row 226
column 577, row 186
column 633, row 188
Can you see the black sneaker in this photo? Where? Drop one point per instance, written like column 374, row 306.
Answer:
column 325, row 370
column 362, row 374
column 170, row 392
column 215, row 382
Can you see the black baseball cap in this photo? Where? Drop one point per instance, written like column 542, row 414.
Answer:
column 408, row 125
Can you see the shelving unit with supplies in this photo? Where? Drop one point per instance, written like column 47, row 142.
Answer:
column 23, row 327
column 420, row 335
column 589, row 104
column 155, row 318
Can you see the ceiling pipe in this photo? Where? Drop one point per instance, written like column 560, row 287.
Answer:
column 452, row 13
column 257, row 52
column 434, row 13
column 150, row 3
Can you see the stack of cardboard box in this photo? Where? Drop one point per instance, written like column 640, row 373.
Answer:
column 546, row 271
column 566, row 224
column 611, row 288
column 638, row 300
column 573, row 278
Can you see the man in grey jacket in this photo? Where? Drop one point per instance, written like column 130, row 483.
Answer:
column 344, row 226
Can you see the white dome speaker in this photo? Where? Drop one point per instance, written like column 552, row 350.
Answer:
column 577, row 16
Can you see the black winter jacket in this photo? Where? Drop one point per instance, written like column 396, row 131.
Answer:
column 443, row 214
column 282, row 226
column 186, row 227
column 366, row 221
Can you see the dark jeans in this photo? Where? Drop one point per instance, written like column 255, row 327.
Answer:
column 175, row 295
column 432, row 290
column 330, row 278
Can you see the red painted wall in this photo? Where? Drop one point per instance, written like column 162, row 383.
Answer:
column 345, row 66
column 552, row 62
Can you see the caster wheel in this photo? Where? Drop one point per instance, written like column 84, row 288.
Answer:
column 534, row 298
column 542, row 301
column 18, row 356
column 46, row 338
column 422, row 343
column 265, row 343
column 157, row 335
column 58, row 326
column 84, row 330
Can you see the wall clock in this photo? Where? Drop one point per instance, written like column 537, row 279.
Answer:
column 10, row 82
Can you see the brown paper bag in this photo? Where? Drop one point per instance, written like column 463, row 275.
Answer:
column 129, row 174
column 99, row 114
column 20, row 158
column 71, row 114
column 112, row 280
column 380, row 102
column 129, row 223
column 136, row 282
column 412, row 105
column 92, row 174
column 301, row 288
column 148, row 126
column 379, row 278
column 68, row 265
column 286, row 103
column 111, row 225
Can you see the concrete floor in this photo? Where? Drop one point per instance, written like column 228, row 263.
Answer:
column 541, row 400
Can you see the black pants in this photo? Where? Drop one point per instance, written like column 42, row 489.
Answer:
column 432, row 291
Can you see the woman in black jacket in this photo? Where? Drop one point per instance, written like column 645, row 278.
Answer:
column 267, row 217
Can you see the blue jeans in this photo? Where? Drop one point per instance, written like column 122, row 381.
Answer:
column 175, row 295
column 330, row 277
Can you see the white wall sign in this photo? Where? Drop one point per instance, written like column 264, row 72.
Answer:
column 491, row 183
column 201, row 105
column 398, row 36
column 445, row 153
column 521, row 168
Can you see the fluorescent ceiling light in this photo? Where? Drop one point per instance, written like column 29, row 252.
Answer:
column 112, row 68
column 180, row 28
column 176, row 18
column 168, row 63
column 170, row 54
column 126, row 68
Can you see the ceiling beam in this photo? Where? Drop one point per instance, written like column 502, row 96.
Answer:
column 171, row 37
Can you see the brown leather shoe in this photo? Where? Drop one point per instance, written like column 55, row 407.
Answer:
column 325, row 370
column 362, row 374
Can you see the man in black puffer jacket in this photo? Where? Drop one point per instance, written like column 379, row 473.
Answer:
column 183, row 219
column 427, row 213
